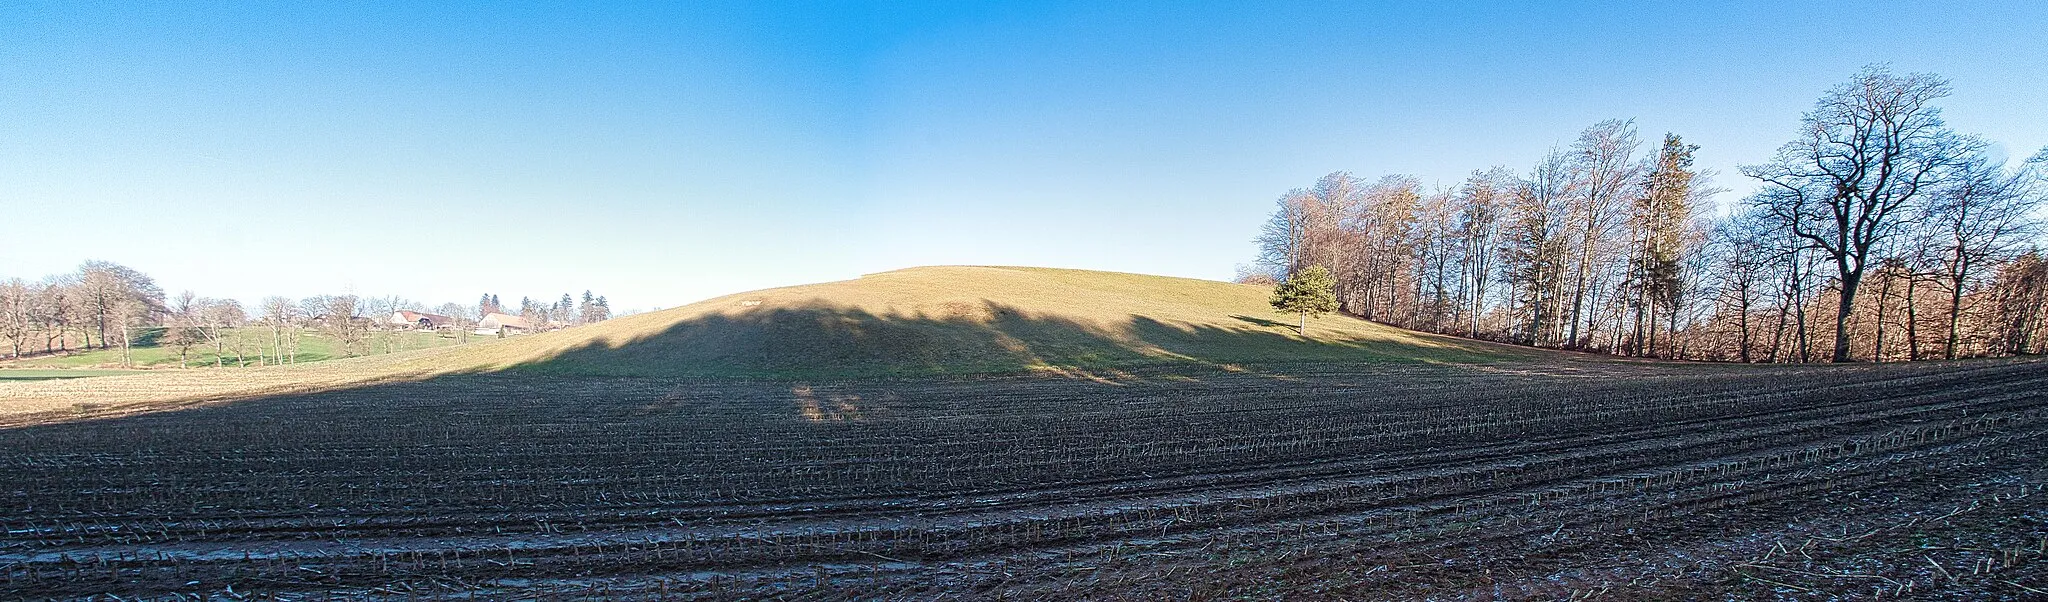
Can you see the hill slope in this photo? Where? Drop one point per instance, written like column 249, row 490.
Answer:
column 916, row 322
column 962, row 320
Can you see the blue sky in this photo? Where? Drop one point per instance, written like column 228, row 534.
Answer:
column 662, row 154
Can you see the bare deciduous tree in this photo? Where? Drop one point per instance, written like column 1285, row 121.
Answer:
column 1983, row 217
column 110, row 293
column 340, row 318
column 1482, row 201
column 17, row 313
column 464, row 318
column 1606, row 173
column 1535, row 254
column 218, row 320
column 282, row 317
column 183, row 323
column 1867, row 152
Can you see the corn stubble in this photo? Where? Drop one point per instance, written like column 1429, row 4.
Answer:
column 1545, row 482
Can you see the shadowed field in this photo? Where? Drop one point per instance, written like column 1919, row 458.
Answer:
column 1369, row 481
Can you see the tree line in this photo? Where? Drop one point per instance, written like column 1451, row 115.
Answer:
column 1878, row 233
column 105, row 305
column 567, row 311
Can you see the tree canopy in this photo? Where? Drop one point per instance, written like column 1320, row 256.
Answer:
column 1311, row 291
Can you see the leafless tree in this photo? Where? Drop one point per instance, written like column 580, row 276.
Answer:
column 1482, row 201
column 1867, row 152
column 1984, row 217
column 1743, row 270
column 54, row 311
column 220, row 319
column 1606, row 174
column 183, row 325
column 1534, row 255
column 1436, row 247
column 380, row 329
column 17, row 313
column 110, row 294
column 1381, row 246
column 463, row 316
column 339, row 317
column 282, row 316
column 2019, row 319
column 1284, row 235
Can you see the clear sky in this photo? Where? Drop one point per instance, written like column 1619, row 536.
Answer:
column 666, row 153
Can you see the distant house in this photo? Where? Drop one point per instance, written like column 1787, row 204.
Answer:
column 420, row 320
column 495, row 323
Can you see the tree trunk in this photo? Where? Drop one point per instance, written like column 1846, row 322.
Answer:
column 1850, row 280
column 1884, row 291
column 1640, row 347
column 1304, row 323
column 1912, row 318
column 1478, row 299
column 1778, row 334
column 1955, row 315
column 1671, row 347
column 1803, row 340
column 1742, row 313
column 1571, row 338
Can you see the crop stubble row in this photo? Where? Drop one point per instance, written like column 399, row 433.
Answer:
column 664, row 486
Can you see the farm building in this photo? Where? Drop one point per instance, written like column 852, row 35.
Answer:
column 495, row 323
column 420, row 320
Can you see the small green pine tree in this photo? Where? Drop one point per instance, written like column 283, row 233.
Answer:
column 1312, row 291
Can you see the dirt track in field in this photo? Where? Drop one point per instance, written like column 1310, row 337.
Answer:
column 1623, row 481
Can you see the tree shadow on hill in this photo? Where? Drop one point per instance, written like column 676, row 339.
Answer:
column 800, row 347
column 821, row 340
column 147, row 337
column 817, row 342
column 1258, row 321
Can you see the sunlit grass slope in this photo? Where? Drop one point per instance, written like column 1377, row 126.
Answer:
column 917, row 322
column 964, row 320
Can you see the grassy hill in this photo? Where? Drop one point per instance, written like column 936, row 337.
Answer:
column 927, row 321
column 964, row 320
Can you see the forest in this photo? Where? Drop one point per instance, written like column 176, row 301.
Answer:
column 1878, row 233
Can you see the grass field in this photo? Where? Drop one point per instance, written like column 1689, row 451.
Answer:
column 915, row 323
column 49, row 374
column 956, row 320
column 1080, row 436
column 148, row 352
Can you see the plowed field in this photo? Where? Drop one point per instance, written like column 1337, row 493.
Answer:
column 1622, row 481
